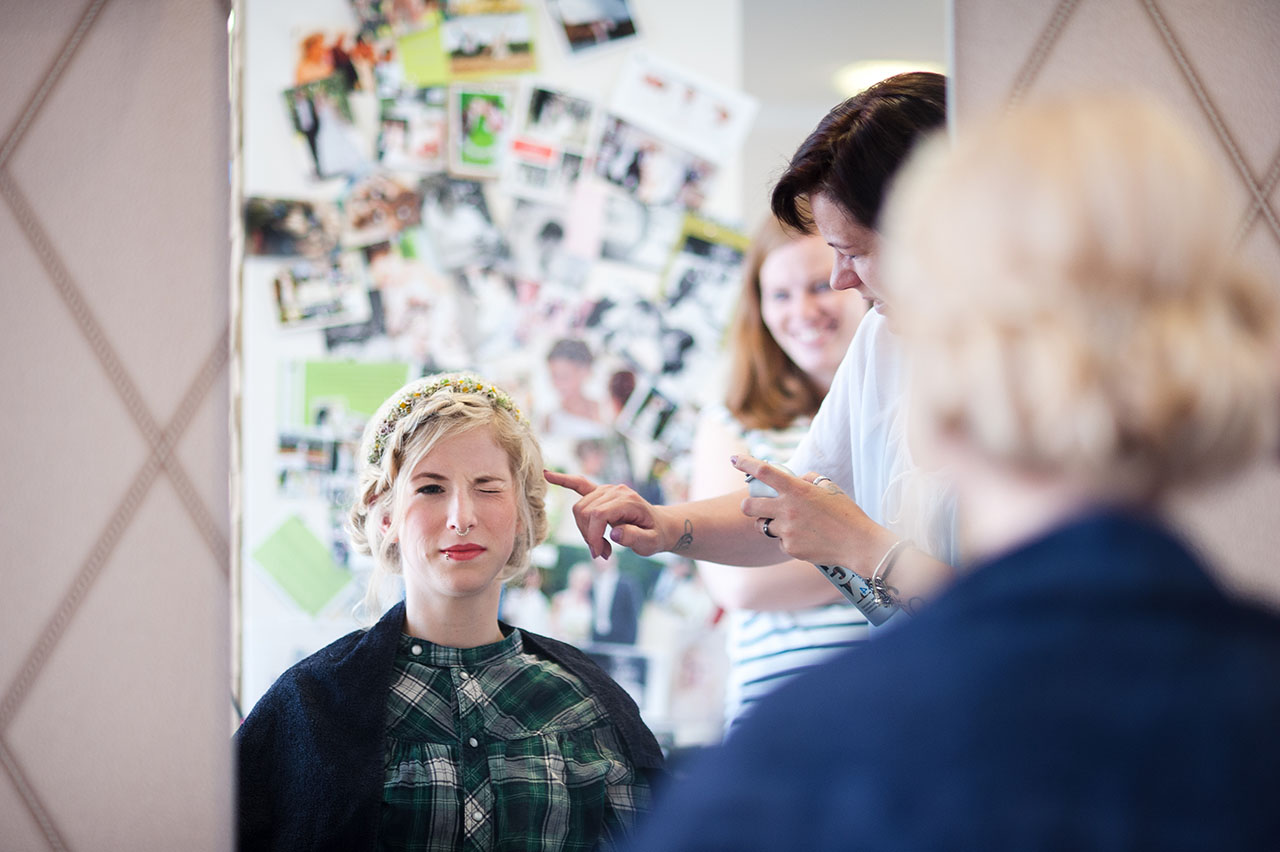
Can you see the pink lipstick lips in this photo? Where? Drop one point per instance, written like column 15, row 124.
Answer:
column 463, row 552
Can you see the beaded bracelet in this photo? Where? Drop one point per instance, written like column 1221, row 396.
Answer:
column 878, row 588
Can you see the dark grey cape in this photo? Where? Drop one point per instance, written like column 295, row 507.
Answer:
column 311, row 752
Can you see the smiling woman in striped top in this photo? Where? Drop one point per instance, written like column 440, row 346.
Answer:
column 788, row 336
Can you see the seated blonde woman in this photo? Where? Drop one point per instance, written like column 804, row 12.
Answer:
column 441, row 728
column 1083, row 342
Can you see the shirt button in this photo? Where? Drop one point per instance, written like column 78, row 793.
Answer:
column 475, row 816
column 416, row 650
column 473, row 742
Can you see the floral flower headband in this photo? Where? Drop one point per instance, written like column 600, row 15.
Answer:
column 414, row 393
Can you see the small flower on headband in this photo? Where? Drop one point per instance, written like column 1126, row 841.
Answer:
column 452, row 383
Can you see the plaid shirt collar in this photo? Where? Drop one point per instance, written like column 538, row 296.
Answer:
column 414, row 650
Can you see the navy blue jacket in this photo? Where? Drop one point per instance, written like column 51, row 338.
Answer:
column 1093, row 691
column 311, row 753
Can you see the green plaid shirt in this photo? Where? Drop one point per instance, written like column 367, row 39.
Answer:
column 491, row 748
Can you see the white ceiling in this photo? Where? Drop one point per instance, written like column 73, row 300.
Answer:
column 791, row 51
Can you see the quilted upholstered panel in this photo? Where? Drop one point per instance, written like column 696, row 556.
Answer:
column 1216, row 63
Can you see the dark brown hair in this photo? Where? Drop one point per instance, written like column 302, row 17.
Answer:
column 767, row 390
column 854, row 152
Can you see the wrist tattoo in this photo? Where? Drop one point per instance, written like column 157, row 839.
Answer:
column 685, row 541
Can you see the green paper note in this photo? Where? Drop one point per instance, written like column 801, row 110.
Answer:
column 301, row 564
column 422, row 55
column 361, row 386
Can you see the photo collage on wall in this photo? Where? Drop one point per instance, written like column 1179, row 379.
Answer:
column 476, row 218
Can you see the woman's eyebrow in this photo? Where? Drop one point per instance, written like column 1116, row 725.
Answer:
column 484, row 477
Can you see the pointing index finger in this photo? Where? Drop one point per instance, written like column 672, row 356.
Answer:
column 580, row 484
column 775, row 476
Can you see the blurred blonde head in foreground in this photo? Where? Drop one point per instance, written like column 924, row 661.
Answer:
column 1066, row 279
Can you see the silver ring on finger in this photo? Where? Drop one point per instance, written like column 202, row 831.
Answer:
column 818, row 480
column 765, row 528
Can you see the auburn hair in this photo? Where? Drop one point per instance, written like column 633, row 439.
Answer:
column 766, row 389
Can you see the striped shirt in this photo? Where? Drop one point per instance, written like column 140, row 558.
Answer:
column 491, row 748
column 767, row 648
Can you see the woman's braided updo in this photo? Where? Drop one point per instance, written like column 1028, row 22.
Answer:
column 405, row 428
